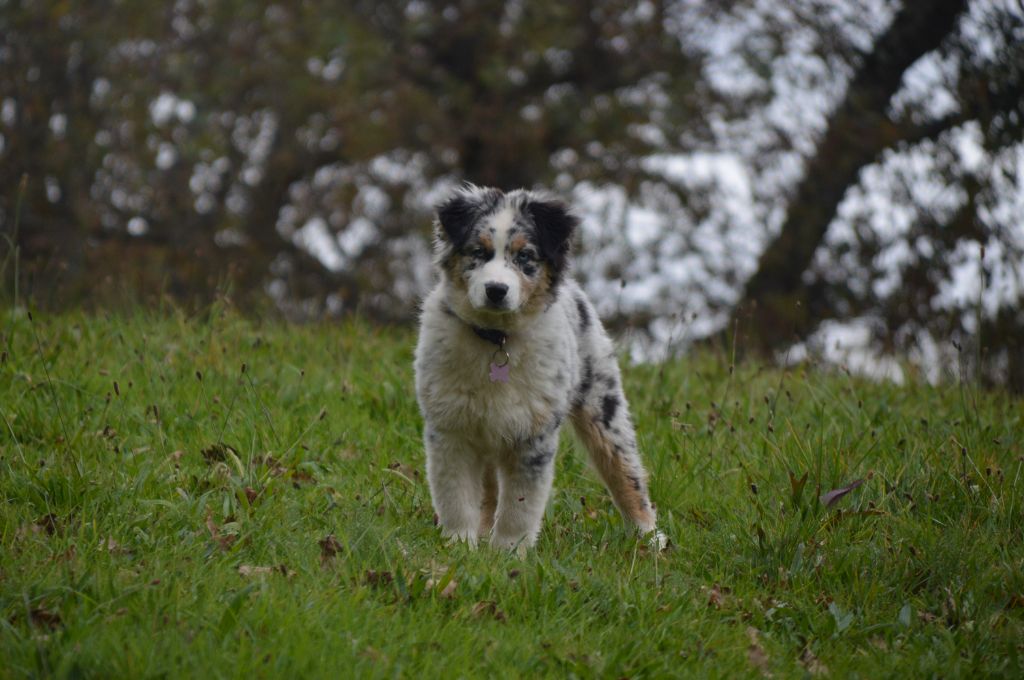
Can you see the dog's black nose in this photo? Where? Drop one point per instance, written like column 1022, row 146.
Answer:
column 496, row 291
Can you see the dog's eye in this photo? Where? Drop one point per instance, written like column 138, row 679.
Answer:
column 479, row 253
column 524, row 257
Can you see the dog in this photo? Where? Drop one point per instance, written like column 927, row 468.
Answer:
column 510, row 348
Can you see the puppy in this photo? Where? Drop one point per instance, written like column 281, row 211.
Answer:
column 509, row 348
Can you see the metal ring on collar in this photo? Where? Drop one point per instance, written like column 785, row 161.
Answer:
column 496, row 353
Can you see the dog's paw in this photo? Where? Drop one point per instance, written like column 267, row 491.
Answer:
column 455, row 537
column 658, row 540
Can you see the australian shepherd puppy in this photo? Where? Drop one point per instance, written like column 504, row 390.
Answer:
column 509, row 348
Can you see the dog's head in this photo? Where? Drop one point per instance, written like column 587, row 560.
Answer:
column 502, row 254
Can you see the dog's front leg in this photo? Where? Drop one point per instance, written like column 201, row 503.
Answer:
column 455, row 475
column 524, row 484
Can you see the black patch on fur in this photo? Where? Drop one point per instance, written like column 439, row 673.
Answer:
column 448, row 311
column 581, row 305
column 459, row 213
column 586, row 382
column 538, row 460
column 636, row 482
column 554, row 224
column 609, row 405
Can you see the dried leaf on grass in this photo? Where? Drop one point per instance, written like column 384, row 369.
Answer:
column 225, row 541
column 832, row 497
column 249, row 570
column 488, row 609
column 45, row 618
column 812, row 663
column 716, row 595
column 218, row 453
column 111, row 546
column 49, row 523
column 755, row 652
column 377, row 579
column 329, row 548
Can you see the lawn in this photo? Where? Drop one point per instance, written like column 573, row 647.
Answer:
column 221, row 497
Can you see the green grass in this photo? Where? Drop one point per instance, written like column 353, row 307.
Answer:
column 122, row 545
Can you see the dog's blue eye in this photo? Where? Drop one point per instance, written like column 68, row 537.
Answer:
column 479, row 253
column 524, row 257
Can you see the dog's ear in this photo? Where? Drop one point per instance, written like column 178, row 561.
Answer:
column 459, row 213
column 555, row 224
column 456, row 216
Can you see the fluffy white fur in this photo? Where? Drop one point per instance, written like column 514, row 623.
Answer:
column 490, row 446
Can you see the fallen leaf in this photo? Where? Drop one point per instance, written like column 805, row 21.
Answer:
column 832, row 497
column 488, row 608
column 811, row 662
column 448, row 592
column 44, row 618
column 1016, row 602
column 756, row 655
column 797, row 487
column 716, row 598
column 67, row 555
column 249, row 570
column 49, row 523
column 218, row 453
column 251, row 494
column 225, row 541
column 377, row 578
column 111, row 546
column 407, row 471
column 329, row 548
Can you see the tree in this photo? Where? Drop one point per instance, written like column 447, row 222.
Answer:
column 777, row 302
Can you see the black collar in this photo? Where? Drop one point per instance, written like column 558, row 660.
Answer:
column 491, row 335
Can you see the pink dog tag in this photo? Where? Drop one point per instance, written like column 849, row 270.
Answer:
column 499, row 373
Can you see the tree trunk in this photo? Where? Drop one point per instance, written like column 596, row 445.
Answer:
column 777, row 308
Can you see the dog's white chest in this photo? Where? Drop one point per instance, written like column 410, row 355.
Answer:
column 457, row 394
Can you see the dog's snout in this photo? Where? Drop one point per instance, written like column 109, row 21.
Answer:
column 496, row 291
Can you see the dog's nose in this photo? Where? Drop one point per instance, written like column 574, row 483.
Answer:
column 496, row 291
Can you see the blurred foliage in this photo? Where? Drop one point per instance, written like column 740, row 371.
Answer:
column 293, row 151
column 203, row 120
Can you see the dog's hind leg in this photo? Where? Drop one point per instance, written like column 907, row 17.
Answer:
column 611, row 442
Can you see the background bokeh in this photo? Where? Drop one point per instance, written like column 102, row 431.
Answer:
column 835, row 179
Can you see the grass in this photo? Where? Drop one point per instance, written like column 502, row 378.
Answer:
column 219, row 497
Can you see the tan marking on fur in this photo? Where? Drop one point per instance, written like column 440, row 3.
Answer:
column 632, row 503
column 518, row 243
column 490, row 502
column 486, row 242
column 542, row 416
column 453, row 270
column 536, row 293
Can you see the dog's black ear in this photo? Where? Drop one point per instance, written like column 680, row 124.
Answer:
column 460, row 212
column 555, row 224
column 457, row 216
